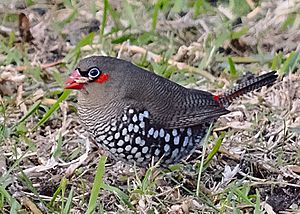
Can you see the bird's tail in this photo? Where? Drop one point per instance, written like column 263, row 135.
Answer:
column 247, row 86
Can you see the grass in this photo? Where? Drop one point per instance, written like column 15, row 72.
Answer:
column 42, row 140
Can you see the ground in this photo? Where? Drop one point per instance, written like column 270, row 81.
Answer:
column 250, row 162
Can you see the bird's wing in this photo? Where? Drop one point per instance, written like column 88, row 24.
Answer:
column 191, row 108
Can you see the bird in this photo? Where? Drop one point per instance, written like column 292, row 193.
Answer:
column 142, row 118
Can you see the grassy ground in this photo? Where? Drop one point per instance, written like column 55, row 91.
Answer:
column 251, row 159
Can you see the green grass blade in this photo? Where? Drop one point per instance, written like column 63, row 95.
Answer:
column 121, row 195
column 202, row 159
column 87, row 40
column 157, row 7
column 214, row 150
column 64, row 95
column 197, row 7
column 15, row 207
column 129, row 14
column 10, row 200
column 104, row 18
column 257, row 209
column 58, row 151
column 97, row 185
column 50, row 204
column 232, row 69
column 202, row 197
column 63, row 184
column 32, row 109
column 69, row 202
column 291, row 62
column 276, row 62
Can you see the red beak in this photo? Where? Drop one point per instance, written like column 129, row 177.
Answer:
column 71, row 81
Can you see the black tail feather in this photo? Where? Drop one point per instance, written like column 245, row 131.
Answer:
column 248, row 86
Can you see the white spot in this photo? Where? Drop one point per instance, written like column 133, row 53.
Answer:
column 167, row 138
column 131, row 111
column 176, row 140
column 134, row 118
column 148, row 155
column 124, row 131
column 141, row 159
column 145, row 149
column 113, row 122
column 127, row 148
column 167, row 147
column 124, row 118
column 134, row 150
column 129, row 157
column 174, row 132
column 112, row 144
column 181, row 129
column 130, row 127
column 162, row 132
column 110, row 138
column 138, row 140
column 105, row 141
column 168, row 161
column 146, row 113
column 113, row 150
column 151, row 131
column 122, row 155
column 155, row 135
column 189, row 132
column 157, row 151
column 120, row 143
column 142, row 124
column 175, row 153
column 127, row 138
column 107, row 129
column 113, row 128
column 191, row 142
column 182, row 149
column 138, row 155
column 121, row 126
column 136, row 128
column 120, row 150
column 143, row 142
column 101, row 137
column 186, row 141
column 141, row 117
column 117, row 135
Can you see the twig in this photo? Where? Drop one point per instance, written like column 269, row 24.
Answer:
column 154, row 57
column 251, row 4
column 30, row 205
column 158, row 58
column 254, row 13
column 25, row 67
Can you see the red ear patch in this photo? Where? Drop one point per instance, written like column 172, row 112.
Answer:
column 102, row 78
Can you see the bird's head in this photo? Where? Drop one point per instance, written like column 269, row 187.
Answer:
column 92, row 71
column 103, row 77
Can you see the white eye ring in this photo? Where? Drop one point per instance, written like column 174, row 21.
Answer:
column 94, row 72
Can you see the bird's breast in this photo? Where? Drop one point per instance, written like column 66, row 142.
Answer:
column 131, row 137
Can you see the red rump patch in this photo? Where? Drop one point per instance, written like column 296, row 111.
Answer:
column 102, row 78
column 216, row 97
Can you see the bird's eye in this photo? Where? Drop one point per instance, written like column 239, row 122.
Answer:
column 94, row 72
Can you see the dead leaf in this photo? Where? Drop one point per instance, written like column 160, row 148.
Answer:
column 295, row 169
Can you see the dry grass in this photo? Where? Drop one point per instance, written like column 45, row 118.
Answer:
column 256, row 169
